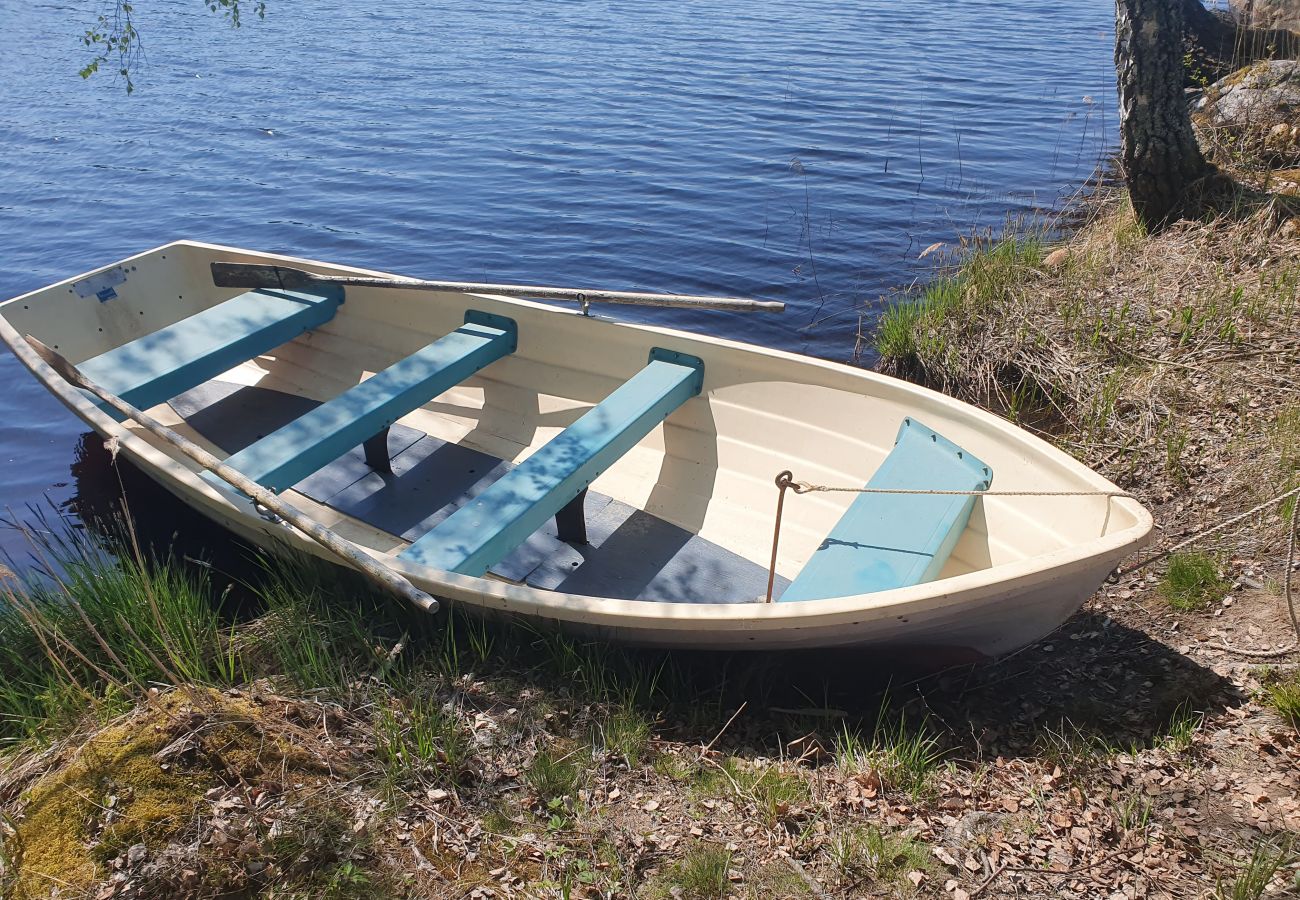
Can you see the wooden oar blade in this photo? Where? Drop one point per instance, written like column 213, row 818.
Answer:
column 259, row 275
column 54, row 360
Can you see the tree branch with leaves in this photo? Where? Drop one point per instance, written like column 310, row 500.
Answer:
column 114, row 36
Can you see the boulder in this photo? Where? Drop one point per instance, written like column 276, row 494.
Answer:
column 1259, row 107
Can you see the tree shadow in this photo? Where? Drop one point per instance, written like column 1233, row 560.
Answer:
column 1221, row 196
column 1094, row 679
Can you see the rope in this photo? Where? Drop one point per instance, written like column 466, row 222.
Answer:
column 804, row 487
column 786, row 480
column 1228, row 523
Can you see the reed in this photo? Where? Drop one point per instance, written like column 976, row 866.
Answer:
column 91, row 629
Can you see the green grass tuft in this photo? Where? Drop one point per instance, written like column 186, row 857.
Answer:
column 625, row 734
column 1259, row 870
column 903, row 755
column 703, row 874
column 886, row 857
column 1192, row 581
column 1073, row 749
column 774, row 793
column 553, row 776
column 1283, row 694
column 422, row 742
column 1180, row 730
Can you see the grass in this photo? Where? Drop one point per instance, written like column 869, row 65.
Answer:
column 703, row 874
column 915, row 332
column 1073, row 749
column 625, row 734
column 553, row 776
column 1280, row 454
column 1132, row 810
column 357, row 822
column 1180, row 730
column 1257, row 873
column 871, row 853
column 903, row 755
column 772, row 792
column 423, row 742
column 1131, row 350
column 1192, row 581
column 1283, row 694
column 94, row 629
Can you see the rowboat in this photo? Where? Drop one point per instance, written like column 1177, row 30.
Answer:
column 542, row 463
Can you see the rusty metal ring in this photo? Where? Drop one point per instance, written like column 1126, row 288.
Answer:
column 785, row 479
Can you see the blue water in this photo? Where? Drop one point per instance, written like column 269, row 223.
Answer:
column 802, row 152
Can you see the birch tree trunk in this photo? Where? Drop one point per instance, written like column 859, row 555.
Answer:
column 1158, row 148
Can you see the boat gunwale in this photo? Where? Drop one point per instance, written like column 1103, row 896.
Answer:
column 1011, row 577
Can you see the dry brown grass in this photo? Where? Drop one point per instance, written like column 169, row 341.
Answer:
column 1172, row 362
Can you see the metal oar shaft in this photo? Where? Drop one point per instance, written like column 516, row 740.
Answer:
column 256, row 275
column 339, row 546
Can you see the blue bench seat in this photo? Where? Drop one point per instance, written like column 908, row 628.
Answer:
column 361, row 413
column 886, row 541
column 172, row 360
column 489, row 527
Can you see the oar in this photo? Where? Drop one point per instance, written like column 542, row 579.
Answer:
column 339, row 546
column 259, row 275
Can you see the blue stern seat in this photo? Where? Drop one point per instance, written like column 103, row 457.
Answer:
column 886, row 541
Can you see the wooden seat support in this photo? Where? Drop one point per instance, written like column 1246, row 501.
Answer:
column 886, row 541
column 172, row 360
column 362, row 414
column 488, row 528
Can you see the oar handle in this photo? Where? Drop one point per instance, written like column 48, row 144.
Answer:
column 339, row 546
column 261, row 275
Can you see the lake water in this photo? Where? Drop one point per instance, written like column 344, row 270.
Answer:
column 802, row 152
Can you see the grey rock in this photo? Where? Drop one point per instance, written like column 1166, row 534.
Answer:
column 1260, row 96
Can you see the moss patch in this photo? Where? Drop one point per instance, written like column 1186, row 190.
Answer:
column 142, row 780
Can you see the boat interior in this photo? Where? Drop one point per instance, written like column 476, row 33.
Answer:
column 511, row 440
